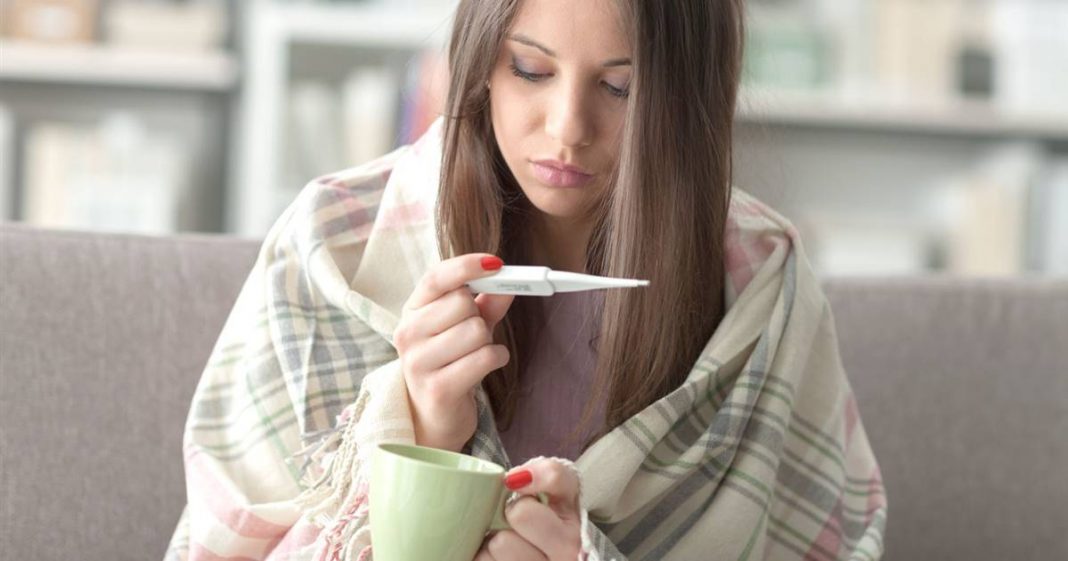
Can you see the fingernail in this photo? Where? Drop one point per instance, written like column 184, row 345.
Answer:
column 492, row 263
column 519, row 479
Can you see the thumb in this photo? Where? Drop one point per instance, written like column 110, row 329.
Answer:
column 493, row 307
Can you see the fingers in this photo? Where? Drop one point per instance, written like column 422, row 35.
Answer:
column 467, row 371
column 443, row 313
column 493, row 307
column 509, row 545
column 458, row 341
column 450, row 275
column 557, row 480
column 538, row 524
column 552, row 528
column 446, row 348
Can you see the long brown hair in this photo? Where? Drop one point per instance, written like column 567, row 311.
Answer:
column 663, row 219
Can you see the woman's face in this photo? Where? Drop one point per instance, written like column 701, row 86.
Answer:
column 558, row 97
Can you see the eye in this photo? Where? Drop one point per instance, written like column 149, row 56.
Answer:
column 528, row 76
column 513, row 66
column 617, row 92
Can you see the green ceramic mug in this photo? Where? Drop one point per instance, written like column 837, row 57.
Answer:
column 428, row 503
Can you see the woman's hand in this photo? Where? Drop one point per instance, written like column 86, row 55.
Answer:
column 539, row 532
column 445, row 343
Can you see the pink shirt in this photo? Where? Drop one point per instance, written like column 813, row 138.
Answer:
column 556, row 386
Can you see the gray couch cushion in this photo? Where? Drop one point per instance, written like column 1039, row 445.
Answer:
column 102, row 340
column 963, row 390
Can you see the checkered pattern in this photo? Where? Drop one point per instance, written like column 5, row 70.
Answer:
column 759, row 454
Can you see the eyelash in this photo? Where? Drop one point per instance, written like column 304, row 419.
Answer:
column 530, row 77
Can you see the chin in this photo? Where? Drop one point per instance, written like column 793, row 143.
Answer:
column 557, row 203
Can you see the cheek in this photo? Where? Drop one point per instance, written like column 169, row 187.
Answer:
column 514, row 117
column 615, row 122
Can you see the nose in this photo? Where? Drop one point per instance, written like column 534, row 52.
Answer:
column 567, row 119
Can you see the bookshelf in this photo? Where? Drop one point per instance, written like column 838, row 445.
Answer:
column 807, row 153
column 798, row 149
column 888, row 189
column 272, row 34
column 115, row 114
column 71, row 96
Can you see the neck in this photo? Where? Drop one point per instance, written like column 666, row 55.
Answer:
column 560, row 243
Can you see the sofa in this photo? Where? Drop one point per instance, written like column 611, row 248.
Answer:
column 962, row 385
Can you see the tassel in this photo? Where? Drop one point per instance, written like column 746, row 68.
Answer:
column 338, row 498
column 329, row 491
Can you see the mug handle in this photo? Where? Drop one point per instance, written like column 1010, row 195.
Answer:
column 499, row 522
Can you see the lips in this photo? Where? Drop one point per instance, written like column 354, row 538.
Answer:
column 558, row 174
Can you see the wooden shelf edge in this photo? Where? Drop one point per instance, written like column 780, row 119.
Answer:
column 118, row 66
column 951, row 118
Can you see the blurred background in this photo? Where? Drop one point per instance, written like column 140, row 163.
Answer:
column 901, row 136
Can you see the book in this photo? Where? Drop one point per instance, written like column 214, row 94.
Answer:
column 1054, row 253
column 7, row 163
column 916, row 49
column 316, row 130
column 866, row 242
column 426, row 85
column 115, row 176
column 987, row 212
column 370, row 96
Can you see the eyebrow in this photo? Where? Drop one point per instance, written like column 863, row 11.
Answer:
column 520, row 38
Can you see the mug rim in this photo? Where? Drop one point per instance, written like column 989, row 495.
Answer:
column 387, row 448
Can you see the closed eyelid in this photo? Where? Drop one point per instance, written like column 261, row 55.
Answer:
column 617, row 80
column 536, row 75
column 516, row 59
column 533, row 68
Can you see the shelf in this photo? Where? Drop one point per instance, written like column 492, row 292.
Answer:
column 362, row 25
column 271, row 32
column 115, row 66
column 958, row 118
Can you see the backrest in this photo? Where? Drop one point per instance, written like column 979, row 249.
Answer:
column 962, row 384
column 102, row 340
column 963, row 390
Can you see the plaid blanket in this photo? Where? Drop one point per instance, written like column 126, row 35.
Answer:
column 759, row 454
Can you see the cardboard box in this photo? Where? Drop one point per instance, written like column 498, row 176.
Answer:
column 54, row 21
column 199, row 26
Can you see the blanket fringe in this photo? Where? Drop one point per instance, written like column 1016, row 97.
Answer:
column 338, row 495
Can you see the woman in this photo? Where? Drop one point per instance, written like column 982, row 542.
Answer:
column 707, row 415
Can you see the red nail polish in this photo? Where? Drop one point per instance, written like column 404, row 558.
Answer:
column 492, row 263
column 519, row 479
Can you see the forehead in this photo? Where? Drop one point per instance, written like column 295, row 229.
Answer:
column 574, row 29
